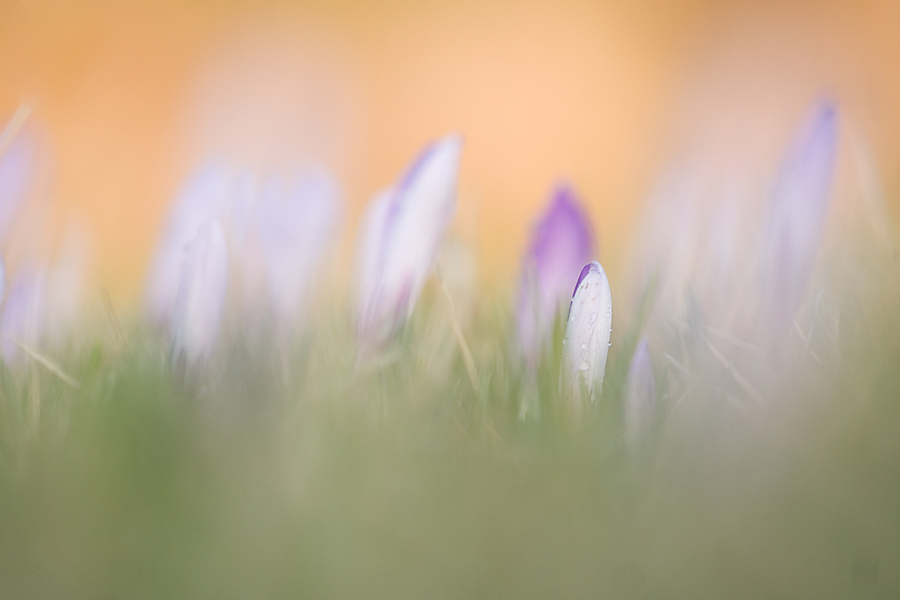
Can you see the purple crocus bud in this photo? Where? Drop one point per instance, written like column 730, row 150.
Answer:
column 205, row 197
column 200, row 300
column 2, row 279
column 296, row 223
column 562, row 243
column 797, row 214
column 18, row 154
column 400, row 237
column 22, row 311
column 640, row 395
column 587, row 336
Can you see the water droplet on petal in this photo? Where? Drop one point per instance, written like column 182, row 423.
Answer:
column 584, row 366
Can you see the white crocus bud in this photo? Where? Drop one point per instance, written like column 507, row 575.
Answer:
column 197, row 315
column 587, row 336
column 399, row 241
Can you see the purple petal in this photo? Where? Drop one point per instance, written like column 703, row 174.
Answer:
column 563, row 241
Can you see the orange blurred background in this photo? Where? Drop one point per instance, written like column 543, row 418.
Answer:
column 133, row 95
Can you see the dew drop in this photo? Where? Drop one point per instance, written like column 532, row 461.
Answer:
column 584, row 346
column 584, row 366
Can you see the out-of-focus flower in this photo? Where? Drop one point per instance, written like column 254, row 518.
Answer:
column 201, row 295
column 18, row 152
column 2, row 279
column 22, row 314
column 797, row 215
column 640, row 395
column 296, row 222
column 64, row 285
column 206, row 196
column 401, row 234
column 587, row 336
column 562, row 243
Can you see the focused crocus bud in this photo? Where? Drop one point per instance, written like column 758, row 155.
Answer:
column 206, row 196
column 296, row 223
column 200, row 300
column 640, row 396
column 562, row 243
column 797, row 215
column 400, row 237
column 587, row 336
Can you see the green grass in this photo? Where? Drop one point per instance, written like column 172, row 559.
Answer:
column 263, row 477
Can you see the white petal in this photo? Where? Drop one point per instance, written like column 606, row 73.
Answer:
column 201, row 295
column 587, row 334
column 400, row 240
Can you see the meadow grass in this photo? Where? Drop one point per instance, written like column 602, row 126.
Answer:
column 271, row 474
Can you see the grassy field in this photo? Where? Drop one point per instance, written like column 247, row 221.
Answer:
column 300, row 474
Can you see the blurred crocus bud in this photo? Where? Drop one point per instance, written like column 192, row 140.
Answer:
column 205, row 197
column 797, row 215
column 18, row 151
column 587, row 336
column 640, row 396
column 296, row 224
column 22, row 311
column 200, row 300
column 402, row 231
column 562, row 243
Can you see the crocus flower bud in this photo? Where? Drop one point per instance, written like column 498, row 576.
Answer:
column 587, row 336
column 296, row 223
column 797, row 215
column 201, row 295
column 400, row 237
column 562, row 243
column 18, row 153
column 2, row 279
column 640, row 396
column 205, row 197
column 22, row 313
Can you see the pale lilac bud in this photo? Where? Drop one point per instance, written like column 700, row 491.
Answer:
column 205, row 197
column 22, row 311
column 562, row 243
column 587, row 335
column 200, row 300
column 400, row 237
column 296, row 224
column 640, row 395
column 797, row 214
column 17, row 172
